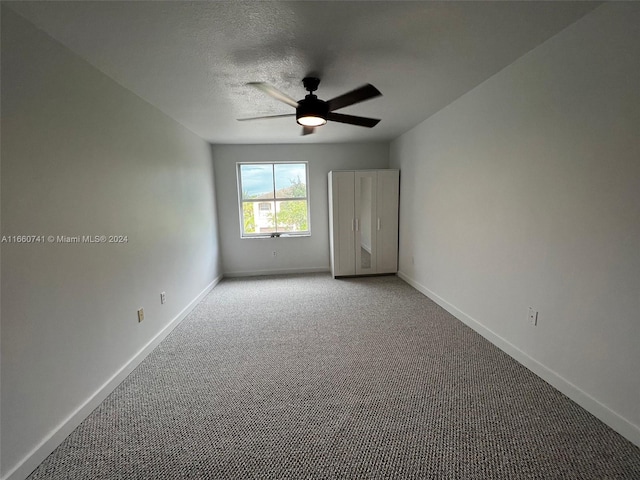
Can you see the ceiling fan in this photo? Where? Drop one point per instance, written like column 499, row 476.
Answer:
column 311, row 112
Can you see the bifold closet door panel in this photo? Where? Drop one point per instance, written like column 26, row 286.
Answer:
column 366, row 222
column 343, row 234
column 387, row 220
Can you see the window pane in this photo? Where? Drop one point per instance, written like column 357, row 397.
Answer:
column 291, row 180
column 248, row 218
column 265, row 218
column 292, row 216
column 258, row 217
column 257, row 181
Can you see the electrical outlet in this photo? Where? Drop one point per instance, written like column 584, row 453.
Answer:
column 140, row 315
column 533, row 317
column 163, row 298
column 275, row 254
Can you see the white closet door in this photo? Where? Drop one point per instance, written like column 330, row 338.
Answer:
column 343, row 223
column 387, row 220
column 366, row 222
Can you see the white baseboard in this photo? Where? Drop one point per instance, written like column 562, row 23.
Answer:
column 64, row 429
column 618, row 423
column 276, row 271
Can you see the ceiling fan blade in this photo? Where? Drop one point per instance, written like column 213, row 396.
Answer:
column 361, row 94
column 268, row 116
column 353, row 120
column 308, row 130
column 274, row 92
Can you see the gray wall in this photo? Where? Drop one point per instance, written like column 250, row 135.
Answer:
column 300, row 254
column 526, row 192
column 83, row 156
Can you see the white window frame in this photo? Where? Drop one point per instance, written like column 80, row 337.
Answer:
column 243, row 234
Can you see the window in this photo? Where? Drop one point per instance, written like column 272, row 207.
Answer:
column 274, row 199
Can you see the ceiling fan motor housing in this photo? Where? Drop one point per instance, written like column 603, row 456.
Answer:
column 312, row 106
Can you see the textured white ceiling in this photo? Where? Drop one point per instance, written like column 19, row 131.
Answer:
column 193, row 59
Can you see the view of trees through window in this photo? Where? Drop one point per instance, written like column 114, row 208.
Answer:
column 274, row 198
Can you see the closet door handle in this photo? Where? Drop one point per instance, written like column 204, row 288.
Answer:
column 357, row 226
column 353, row 223
column 378, row 223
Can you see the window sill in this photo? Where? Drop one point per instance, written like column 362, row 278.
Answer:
column 276, row 235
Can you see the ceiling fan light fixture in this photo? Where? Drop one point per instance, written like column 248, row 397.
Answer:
column 311, row 121
column 312, row 112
